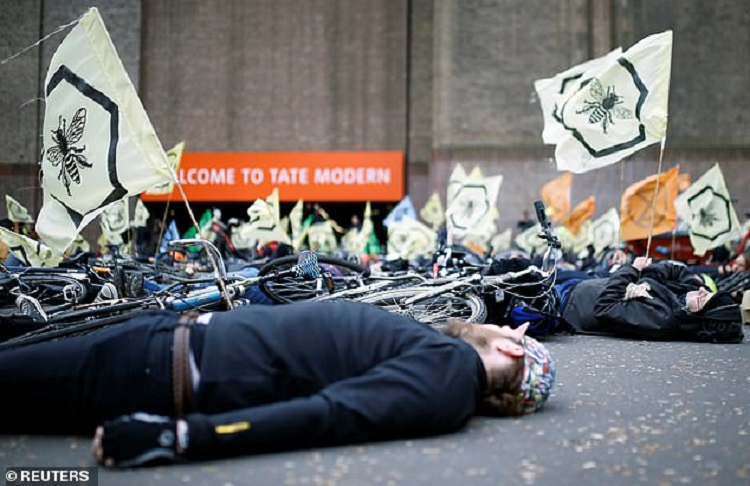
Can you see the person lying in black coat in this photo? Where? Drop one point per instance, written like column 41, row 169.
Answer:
column 652, row 301
column 262, row 378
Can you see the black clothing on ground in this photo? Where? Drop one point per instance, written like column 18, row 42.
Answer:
column 598, row 305
column 270, row 377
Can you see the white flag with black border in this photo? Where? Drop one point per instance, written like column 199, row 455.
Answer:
column 99, row 145
column 619, row 109
column 707, row 208
column 553, row 91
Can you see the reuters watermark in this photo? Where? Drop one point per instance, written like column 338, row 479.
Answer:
column 79, row 476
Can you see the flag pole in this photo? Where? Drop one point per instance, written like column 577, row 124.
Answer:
column 161, row 229
column 622, row 191
column 656, row 192
column 211, row 258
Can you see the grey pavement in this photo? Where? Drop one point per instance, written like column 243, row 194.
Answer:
column 623, row 412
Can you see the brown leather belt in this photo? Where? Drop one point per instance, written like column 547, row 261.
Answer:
column 182, row 382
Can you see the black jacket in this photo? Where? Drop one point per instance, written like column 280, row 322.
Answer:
column 598, row 306
column 277, row 377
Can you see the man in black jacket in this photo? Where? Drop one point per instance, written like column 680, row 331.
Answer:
column 652, row 301
column 264, row 378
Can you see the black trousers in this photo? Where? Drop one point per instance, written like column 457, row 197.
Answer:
column 73, row 385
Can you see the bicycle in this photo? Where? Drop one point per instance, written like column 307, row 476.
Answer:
column 180, row 296
column 464, row 294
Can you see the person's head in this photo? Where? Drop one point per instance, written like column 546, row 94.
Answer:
column 696, row 300
column 717, row 318
column 520, row 370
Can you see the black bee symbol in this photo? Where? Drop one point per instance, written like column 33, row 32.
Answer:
column 706, row 217
column 65, row 154
column 604, row 109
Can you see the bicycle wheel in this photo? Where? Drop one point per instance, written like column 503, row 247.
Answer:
column 433, row 311
column 344, row 274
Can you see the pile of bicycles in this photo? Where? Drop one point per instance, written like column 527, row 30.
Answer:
column 91, row 292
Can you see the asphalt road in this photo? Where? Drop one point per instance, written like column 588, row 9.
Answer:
column 622, row 413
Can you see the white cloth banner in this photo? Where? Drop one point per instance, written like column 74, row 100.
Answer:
column 472, row 208
column 553, row 91
column 174, row 155
column 114, row 220
column 457, row 177
column 99, row 145
column 529, row 240
column 605, row 230
column 619, row 109
column 141, row 215
column 410, row 239
column 707, row 208
column 17, row 212
column 31, row 252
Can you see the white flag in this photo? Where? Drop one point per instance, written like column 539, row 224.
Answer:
column 410, row 239
column 322, row 238
column 113, row 222
column 457, row 177
column 140, row 218
column 707, row 209
column 529, row 240
column 472, row 207
column 432, row 213
column 295, row 225
column 501, row 241
column 17, row 212
column 174, row 155
column 605, row 230
column 31, row 252
column 263, row 226
column 99, row 145
column 619, row 109
column 553, row 91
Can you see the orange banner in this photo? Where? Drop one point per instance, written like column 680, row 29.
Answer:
column 637, row 206
column 310, row 176
column 582, row 213
column 556, row 196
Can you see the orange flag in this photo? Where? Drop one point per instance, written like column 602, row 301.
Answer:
column 580, row 214
column 556, row 196
column 637, row 202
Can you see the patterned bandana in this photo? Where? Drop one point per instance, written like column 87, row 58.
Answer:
column 538, row 376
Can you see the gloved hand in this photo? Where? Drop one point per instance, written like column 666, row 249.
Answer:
column 137, row 440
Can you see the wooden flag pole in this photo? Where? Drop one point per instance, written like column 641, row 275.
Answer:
column 656, row 193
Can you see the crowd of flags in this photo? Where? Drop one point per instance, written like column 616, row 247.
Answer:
column 100, row 150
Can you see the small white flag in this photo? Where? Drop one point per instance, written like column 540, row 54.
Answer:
column 707, row 208
column 140, row 218
column 473, row 206
column 32, row 253
column 17, row 212
column 604, row 232
column 529, row 240
column 410, row 239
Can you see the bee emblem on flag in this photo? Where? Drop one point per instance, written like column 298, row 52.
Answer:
column 604, row 109
column 706, row 217
column 65, row 154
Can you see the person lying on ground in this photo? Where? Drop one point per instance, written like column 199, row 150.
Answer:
column 263, row 378
column 650, row 301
